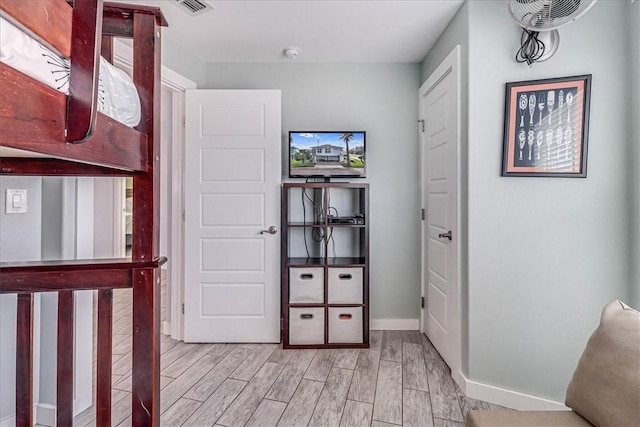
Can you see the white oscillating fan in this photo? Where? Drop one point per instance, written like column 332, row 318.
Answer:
column 540, row 20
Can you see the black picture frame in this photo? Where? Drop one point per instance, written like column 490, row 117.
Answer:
column 546, row 127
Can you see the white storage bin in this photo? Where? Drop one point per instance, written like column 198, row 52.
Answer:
column 306, row 285
column 345, row 285
column 345, row 325
column 306, row 325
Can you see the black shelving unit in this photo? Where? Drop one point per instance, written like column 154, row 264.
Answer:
column 325, row 265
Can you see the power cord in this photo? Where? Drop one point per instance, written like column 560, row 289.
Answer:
column 531, row 48
column 318, row 234
column 330, row 238
column 304, row 222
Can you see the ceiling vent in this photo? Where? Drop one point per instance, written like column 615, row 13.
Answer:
column 194, row 7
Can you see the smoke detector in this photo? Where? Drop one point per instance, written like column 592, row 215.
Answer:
column 291, row 52
column 194, row 7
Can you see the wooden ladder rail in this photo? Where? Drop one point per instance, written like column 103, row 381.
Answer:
column 142, row 24
column 27, row 279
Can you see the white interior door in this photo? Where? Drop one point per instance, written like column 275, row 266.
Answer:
column 440, row 237
column 232, row 196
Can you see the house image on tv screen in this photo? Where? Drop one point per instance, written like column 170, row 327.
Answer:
column 327, row 153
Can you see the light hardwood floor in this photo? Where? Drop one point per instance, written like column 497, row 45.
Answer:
column 400, row 380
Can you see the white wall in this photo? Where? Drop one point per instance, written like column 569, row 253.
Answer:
column 108, row 231
column 19, row 241
column 20, row 233
column 545, row 254
column 382, row 100
column 633, row 16
column 58, row 225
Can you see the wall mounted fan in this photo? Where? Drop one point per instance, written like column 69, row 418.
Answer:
column 540, row 20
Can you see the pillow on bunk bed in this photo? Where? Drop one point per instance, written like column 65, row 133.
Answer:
column 117, row 95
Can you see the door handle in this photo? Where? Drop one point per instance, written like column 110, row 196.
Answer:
column 271, row 230
column 446, row 235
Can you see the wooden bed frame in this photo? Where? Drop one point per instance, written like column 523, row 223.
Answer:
column 78, row 141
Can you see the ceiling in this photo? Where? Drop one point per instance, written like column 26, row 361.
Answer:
column 338, row 31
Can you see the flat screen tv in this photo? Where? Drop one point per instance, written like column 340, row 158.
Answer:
column 322, row 154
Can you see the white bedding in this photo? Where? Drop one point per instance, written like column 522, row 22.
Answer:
column 117, row 95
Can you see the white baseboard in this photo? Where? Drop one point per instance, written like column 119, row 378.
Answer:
column 394, row 324
column 8, row 421
column 45, row 414
column 166, row 328
column 508, row 398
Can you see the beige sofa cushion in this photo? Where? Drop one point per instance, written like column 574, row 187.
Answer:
column 525, row 419
column 605, row 388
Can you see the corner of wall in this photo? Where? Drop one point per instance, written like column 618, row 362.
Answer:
column 184, row 63
column 633, row 18
column 457, row 33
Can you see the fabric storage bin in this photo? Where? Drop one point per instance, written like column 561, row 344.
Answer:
column 306, row 285
column 345, row 285
column 306, row 325
column 345, row 325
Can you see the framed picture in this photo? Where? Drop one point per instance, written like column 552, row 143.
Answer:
column 546, row 126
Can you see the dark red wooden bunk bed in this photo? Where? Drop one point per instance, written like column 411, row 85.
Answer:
column 78, row 141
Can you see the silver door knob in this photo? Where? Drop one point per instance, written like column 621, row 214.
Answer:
column 446, row 235
column 271, row 230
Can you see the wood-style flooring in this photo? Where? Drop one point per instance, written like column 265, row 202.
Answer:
column 400, row 381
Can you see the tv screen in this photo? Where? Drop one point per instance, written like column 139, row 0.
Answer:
column 327, row 154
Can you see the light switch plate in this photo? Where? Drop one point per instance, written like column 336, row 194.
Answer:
column 16, row 201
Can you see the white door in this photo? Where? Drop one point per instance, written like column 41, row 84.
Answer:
column 440, row 231
column 232, row 196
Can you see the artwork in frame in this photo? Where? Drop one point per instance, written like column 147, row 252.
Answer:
column 546, row 127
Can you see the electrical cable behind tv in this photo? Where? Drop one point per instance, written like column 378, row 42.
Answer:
column 317, row 234
column 304, row 222
column 331, row 232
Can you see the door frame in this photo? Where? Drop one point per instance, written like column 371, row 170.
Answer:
column 449, row 66
column 177, row 84
column 175, row 328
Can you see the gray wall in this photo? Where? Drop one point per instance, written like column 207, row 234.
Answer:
column 52, row 238
column 545, row 250
column 381, row 99
column 19, row 241
column 182, row 62
column 542, row 250
column 104, row 228
column 633, row 15
column 51, row 229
